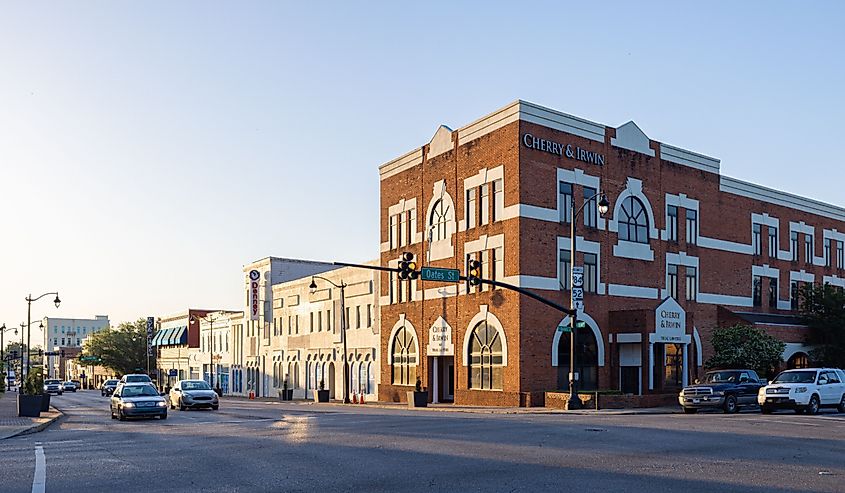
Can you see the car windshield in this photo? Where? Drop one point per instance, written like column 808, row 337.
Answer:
column 795, row 377
column 51, row 382
column 195, row 386
column 138, row 391
column 137, row 378
column 722, row 377
column 111, row 382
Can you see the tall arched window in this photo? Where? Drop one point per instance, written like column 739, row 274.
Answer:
column 586, row 359
column 404, row 358
column 633, row 223
column 485, row 358
column 438, row 220
column 371, row 378
column 353, row 370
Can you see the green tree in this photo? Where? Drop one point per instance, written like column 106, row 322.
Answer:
column 741, row 346
column 823, row 310
column 122, row 349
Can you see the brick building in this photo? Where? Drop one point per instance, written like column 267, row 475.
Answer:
column 683, row 249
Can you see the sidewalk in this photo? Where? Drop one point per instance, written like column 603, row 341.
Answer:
column 11, row 425
column 465, row 409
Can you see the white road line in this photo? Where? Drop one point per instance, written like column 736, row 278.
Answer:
column 39, row 480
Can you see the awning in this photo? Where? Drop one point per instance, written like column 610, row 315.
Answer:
column 179, row 336
column 158, row 338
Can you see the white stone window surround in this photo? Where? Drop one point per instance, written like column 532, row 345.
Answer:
column 583, row 246
column 578, row 177
column 442, row 249
column 485, row 315
column 772, row 273
column 834, row 280
column 681, row 201
column 404, row 205
column 591, row 323
column 630, row 249
column 402, row 322
column 397, row 283
column 802, row 227
column 683, row 260
column 483, row 176
column 833, row 234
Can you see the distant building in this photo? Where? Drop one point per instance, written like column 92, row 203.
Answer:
column 66, row 335
column 215, row 329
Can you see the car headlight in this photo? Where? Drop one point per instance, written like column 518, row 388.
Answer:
column 800, row 390
column 761, row 391
column 161, row 404
column 718, row 394
column 128, row 404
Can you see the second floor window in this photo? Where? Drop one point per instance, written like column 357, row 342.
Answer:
column 773, row 292
column 591, row 273
column 793, row 245
column 565, row 200
column 633, row 223
column 672, row 223
column 591, row 208
column 692, row 227
column 808, row 249
column 498, row 200
column 839, row 255
column 672, row 280
column 773, row 242
column 756, row 240
column 438, row 221
column 793, row 294
column 691, row 283
column 471, row 208
column 564, row 268
column 485, row 204
column 756, row 288
column 828, row 247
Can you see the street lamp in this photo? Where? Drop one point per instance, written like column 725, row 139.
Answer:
column 210, row 318
column 342, row 286
column 603, row 206
column 29, row 300
column 3, row 330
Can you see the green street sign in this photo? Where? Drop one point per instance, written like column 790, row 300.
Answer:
column 564, row 328
column 579, row 324
column 438, row 274
column 89, row 358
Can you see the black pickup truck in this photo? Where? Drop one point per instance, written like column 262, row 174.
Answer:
column 722, row 389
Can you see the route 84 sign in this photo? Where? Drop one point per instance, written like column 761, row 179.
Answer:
column 577, row 277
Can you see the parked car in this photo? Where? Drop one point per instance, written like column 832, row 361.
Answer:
column 77, row 383
column 69, row 386
column 108, row 387
column 136, row 400
column 193, row 394
column 804, row 390
column 53, row 386
column 136, row 378
column 728, row 390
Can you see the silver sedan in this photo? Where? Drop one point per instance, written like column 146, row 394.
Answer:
column 193, row 394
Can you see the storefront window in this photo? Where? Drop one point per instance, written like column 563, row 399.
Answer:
column 673, row 365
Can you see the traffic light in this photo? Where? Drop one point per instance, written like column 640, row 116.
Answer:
column 407, row 267
column 473, row 272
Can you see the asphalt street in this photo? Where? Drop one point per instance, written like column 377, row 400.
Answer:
column 262, row 446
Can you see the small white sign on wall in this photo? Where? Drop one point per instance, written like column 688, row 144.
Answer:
column 440, row 339
column 670, row 322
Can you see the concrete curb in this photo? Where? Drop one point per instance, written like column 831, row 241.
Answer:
column 37, row 427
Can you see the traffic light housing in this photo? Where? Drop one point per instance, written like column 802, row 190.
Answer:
column 407, row 267
column 473, row 272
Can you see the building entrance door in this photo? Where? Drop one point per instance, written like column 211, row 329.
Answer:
column 442, row 378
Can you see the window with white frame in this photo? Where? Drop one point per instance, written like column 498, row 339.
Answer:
column 403, row 232
column 793, row 294
column 692, row 226
column 840, row 258
column 793, row 242
column 485, row 268
column 471, row 207
column 671, row 223
column 773, row 292
column 808, row 248
column 633, row 223
column 485, row 358
column 393, row 232
column 404, row 357
column 369, row 315
column 591, row 208
column 357, row 316
column 691, row 283
column 757, row 291
column 773, row 242
column 437, row 221
column 498, row 264
column 484, row 217
column 565, row 264
column 591, row 273
column 565, row 200
column 756, row 239
column 828, row 252
column 672, row 280
column 498, row 200
column 319, row 321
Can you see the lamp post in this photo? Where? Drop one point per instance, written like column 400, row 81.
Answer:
column 3, row 330
column 603, row 205
column 342, row 286
column 210, row 318
column 29, row 300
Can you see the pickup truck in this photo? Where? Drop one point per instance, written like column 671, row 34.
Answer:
column 722, row 389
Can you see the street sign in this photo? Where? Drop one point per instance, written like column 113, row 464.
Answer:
column 172, row 372
column 577, row 277
column 439, row 274
column 88, row 358
column 564, row 328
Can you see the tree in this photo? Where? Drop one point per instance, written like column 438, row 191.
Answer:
column 823, row 310
column 122, row 350
column 741, row 346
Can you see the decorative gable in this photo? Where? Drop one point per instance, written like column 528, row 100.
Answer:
column 441, row 142
column 629, row 136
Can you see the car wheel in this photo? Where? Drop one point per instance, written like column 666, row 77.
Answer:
column 181, row 406
column 841, row 407
column 813, row 406
column 730, row 404
column 765, row 409
column 163, row 416
column 120, row 415
column 214, row 408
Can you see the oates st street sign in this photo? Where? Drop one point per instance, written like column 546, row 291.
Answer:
column 438, row 274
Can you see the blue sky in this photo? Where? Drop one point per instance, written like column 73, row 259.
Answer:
column 148, row 150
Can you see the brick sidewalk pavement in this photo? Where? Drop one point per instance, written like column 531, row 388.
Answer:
column 12, row 425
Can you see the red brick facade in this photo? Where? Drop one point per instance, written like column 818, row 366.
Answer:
column 525, row 231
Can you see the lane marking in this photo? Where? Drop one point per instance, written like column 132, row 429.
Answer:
column 39, row 479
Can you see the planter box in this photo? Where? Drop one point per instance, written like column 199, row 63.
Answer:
column 287, row 395
column 45, row 403
column 321, row 396
column 29, row 405
column 417, row 399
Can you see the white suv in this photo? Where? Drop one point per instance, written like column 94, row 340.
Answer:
column 804, row 390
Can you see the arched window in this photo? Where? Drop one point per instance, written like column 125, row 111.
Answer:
column 633, row 223
column 586, row 359
column 362, row 378
column 354, row 373
column 404, row 358
column 371, row 378
column 438, row 220
column 485, row 358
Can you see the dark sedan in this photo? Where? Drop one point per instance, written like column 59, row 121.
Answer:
column 137, row 400
column 108, row 387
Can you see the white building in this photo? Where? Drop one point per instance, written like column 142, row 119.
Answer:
column 215, row 349
column 67, row 334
